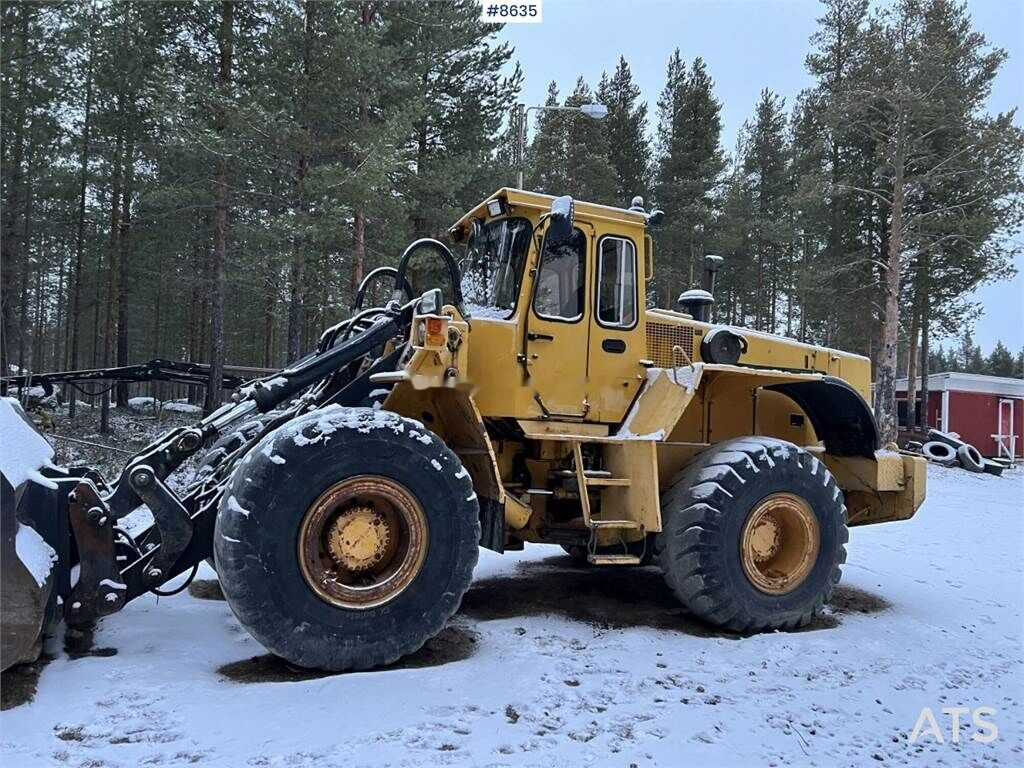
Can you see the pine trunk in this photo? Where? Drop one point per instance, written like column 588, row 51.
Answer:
column 10, row 242
column 885, row 378
column 925, row 350
column 912, row 355
column 220, row 214
column 75, row 318
column 295, row 309
column 124, row 239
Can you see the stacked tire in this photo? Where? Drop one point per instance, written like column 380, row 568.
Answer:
column 945, row 449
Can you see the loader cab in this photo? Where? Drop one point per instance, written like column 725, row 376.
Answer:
column 555, row 290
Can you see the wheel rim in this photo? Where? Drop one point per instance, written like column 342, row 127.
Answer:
column 779, row 544
column 362, row 542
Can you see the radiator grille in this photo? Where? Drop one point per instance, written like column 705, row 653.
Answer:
column 661, row 337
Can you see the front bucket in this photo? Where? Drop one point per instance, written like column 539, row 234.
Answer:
column 29, row 524
column 26, row 582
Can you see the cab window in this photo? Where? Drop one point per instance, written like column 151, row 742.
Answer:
column 493, row 269
column 616, row 288
column 560, row 287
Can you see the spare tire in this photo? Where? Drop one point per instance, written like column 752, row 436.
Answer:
column 970, row 458
column 992, row 467
column 940, row 453
column 938, row 436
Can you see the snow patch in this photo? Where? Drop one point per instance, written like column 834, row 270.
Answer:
column 436, row 464
column 562, row 206
column 234, row 506
column 423, row 438
column 36, row 555
column 329, row 420
column 23, row 451
column 483, row 312
column 267, row 450
column 179, row 406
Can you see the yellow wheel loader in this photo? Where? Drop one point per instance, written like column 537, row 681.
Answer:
column 533, row 399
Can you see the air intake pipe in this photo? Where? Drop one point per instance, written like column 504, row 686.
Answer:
column 697, row 301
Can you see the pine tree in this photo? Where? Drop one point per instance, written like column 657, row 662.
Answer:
column 836, row 281
column 930, row 142
column 689, row 168
column 1000, row 362
column 546, row 155
column 590, row 174
column 626, row 129
column 461, row 98
column 767, row 167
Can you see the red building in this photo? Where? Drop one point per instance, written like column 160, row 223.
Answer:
column 986, row 411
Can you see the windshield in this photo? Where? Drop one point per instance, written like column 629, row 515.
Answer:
column 493, row 270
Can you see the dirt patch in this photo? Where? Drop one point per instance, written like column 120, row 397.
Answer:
column 79, row 643
column 851, row 600
column 613, row 598
column 452, row 644
column 19, row 683
column 618, row 598
column 205, row 589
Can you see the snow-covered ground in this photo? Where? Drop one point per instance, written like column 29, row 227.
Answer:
column 553, row 664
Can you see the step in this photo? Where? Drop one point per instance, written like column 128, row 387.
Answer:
column 613, row 559
column 586, row 473
column 616, row 481
column 628, row 525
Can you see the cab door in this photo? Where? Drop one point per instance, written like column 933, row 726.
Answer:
column 556, row 333
column 617, row 337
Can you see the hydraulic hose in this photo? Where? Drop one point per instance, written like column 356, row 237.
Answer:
column 288, row 383
column 446, row 255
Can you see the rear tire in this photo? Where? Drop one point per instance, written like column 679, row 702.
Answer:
column 753, row 535
column 262, row 538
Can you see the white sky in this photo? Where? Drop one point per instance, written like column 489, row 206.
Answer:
column 748, row 45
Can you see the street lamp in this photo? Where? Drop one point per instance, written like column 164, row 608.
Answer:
column 593, row 111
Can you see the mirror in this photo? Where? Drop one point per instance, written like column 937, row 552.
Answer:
column 560, row 223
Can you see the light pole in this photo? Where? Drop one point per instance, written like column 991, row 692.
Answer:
column 594, row 111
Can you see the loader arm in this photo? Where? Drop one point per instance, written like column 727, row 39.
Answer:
column 78, row 516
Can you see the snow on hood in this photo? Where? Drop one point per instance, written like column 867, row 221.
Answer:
column 23, row 451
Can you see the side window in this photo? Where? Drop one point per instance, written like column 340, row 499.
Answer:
column 616, row 288
column 559, row 294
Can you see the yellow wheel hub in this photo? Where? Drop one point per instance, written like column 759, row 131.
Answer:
column 362, row 542
column 779, row 544
column 359, row 538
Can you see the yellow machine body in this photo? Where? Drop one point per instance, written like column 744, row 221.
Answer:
column 574, row 408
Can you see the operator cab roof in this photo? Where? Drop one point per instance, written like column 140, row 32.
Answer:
column 518, row 199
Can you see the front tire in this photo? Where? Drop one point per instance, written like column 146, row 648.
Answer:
column 754, row 534
column 347, row 538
